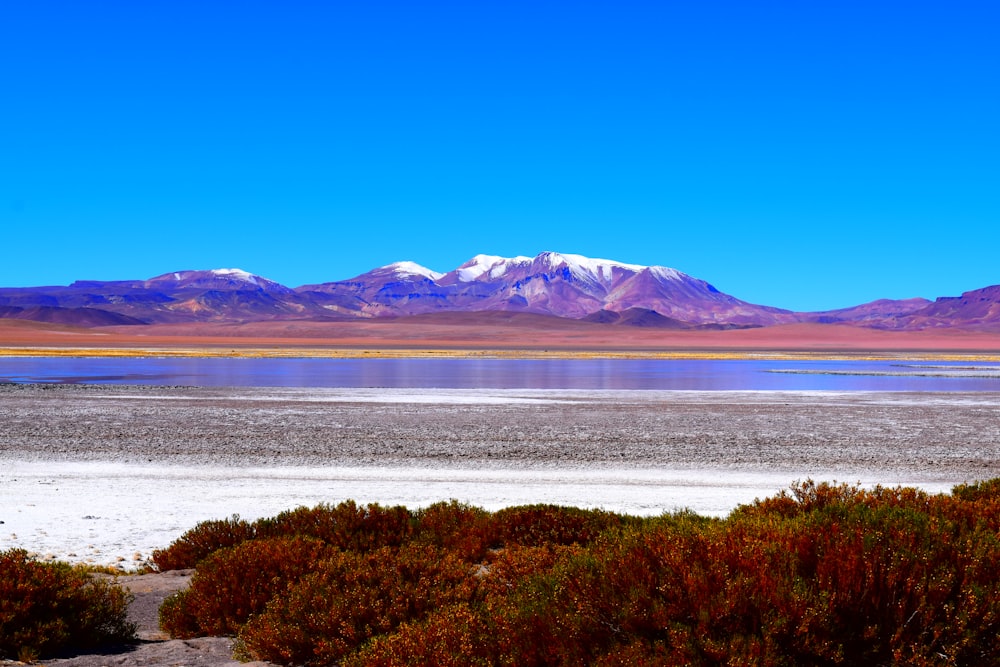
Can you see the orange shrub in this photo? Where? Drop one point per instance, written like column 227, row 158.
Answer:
column 466, row 633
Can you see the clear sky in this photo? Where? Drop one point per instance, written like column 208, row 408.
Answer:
column 806, row 155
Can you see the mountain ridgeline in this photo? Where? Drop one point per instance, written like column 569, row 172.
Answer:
column 550, row 284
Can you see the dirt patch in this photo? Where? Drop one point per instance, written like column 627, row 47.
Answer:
column 149, row 591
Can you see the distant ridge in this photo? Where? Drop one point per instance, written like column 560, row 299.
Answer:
column 551, row 284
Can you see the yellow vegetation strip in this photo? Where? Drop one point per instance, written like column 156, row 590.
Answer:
column 394, row 353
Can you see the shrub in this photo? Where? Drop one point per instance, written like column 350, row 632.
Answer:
column 623, row 587
column 352, row 597
column 819, row 575
column 456, row 527
column 449, row 637
column 202, row 541
column 47, row 608
column 468, row 632
column 347, row 526
column 987, row 490
column 536, row 525
column 233, row 584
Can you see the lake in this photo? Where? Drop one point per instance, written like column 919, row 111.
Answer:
column 663, row 374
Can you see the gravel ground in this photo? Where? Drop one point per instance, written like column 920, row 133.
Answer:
column 952, row 434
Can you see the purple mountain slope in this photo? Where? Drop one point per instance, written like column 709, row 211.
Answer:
column 223, row 295
column 80, row 317
column 551, row 284
column 880, row 311
column 977, row 309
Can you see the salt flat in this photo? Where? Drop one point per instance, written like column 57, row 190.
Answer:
column 108, row 473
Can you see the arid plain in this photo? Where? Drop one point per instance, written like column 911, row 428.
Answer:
column 482, row 333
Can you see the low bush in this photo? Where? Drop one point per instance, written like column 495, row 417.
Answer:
column 347, row 525
column 50, row 608
column 202, row 541
column 823, row 574
column 456, row 527
column 233, row 584
column 472, row 632
column 450, row 637
column 352, row 597
column 536, row 525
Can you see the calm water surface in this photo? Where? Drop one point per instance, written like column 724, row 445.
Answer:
column 711, row 375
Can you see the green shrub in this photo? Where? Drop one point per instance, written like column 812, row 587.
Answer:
column 48, row 608
column 987, row 490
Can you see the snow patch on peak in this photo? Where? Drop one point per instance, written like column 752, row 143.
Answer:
column 587, row 269
column 238, row 274
column 413, row 269
column 491, row 266
column 588, row 266
column 666, row 273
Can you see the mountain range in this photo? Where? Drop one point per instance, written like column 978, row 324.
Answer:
column 550, row 284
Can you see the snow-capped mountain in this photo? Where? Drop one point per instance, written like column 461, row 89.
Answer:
column 563, row 285
column 219, row 279
column 549, row 284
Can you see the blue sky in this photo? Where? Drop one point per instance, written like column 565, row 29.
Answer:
column 797, row 154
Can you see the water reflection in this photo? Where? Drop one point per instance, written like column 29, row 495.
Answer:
column 676, row 374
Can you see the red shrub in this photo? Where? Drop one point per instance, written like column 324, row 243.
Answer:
column 537, row 525
column 234, row 584
column 447, row 638
column 352, row 597
column 347, row 526
column 201, row 541
column 46, row 608
column 456, row 527
column 821, row 575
